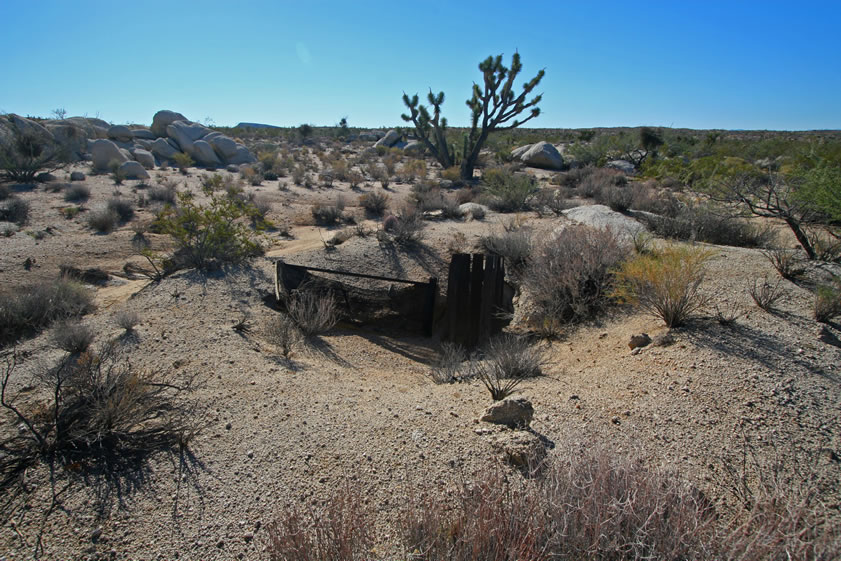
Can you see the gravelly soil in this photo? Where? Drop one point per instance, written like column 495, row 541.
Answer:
column 360, row 406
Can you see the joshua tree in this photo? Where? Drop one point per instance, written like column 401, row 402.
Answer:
column 493, row 106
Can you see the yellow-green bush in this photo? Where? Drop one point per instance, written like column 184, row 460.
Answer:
column 664, row 283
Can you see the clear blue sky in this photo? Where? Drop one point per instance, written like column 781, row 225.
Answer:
column 684, row 63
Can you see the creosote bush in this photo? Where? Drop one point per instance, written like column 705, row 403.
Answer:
column 764, row 294
column 786, row 262
column 103, row 220
column 506, row 191
column 212, row 235
column 14, row 209
column 664, row 283
column 25, row 311
column 327, row 214
column 569, row 276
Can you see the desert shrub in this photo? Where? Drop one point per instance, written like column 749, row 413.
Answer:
column 183, row 161
column 728, row 313
column 299, row 175
column 162, row 193
column 785, row 261
column 592, row 182
column 710, row 224
column 664, row 283
column 70, row 212
column 374, row 203
column 103, row 220
column 212, row 182
column 828, row 301
column 77, row 192
column 14, row 209
column 313, row 312
column 764, row 294
column 341, row 530
column 101, row 409
column 213, row 235
column 27, row 310
column 282, row 332
column 25, row 154
column 508, row 360
column 55, row 187
column 514, row 246
column 327, row 214
column 414, row 170
column 505, row 191
column 618, row 198
column 72, row 336
column 449, row 364
column 123, row 208
column 551, row 200
column 569, row 275
column 407, row 229
column 126, row 320
column 451, row 174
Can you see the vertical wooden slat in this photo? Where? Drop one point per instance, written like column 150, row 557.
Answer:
column 486, row 316
column 456, row 293
column 498, row 295
column 429, row 306
column 477, row 273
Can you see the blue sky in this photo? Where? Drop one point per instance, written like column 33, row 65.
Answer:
column 685, row 63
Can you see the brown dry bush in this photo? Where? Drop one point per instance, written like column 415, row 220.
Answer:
column 569, row 275
column 27, row 310
column 764, row 294
column 313, row 312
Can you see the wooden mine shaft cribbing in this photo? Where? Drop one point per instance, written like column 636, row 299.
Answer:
column 475, row 293
column 287, row 277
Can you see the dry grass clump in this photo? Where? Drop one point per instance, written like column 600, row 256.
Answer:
column 786, row 262
column 327, row 214
column 407, row 228
column 828, row 301
column 76, row 192
column 14, row 209
column 508, row 360
column 282, row 332
column 506, row 191
column 514, row 246
column 98, row 409
column 162, row 193
column 127, row 320
column 103, row 220
column 374, row 203
column 27, row 310
column 664, row 283
column 72, row 336
column 123, row 208
column 764, row 294
column 449, row 364
column 586, row 505
column 569, row 275
column 313, row 312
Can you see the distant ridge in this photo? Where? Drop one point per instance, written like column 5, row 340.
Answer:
column 255, row 126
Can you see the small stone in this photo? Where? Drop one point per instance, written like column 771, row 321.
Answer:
column 616, row 420
column 96, row 534
column 639, row 340
column 228, row 426
column 248, row 536
column 250, row 453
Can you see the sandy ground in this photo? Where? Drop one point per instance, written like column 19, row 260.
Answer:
column 360, row 405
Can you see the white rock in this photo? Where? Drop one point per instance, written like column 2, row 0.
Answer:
column 600, row 216
column 145, row 134
column 133, row 170
column 103, row 152
column 163, row 119
column 203, row 154
column 543, row 155
column 624, row 166
column 163, row 149
column 389, row 140
column 473, row 210
column 144, row 158
column 120, row 133
column 517, row 153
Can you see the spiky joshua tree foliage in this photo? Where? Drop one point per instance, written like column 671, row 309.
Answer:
column 494, row 106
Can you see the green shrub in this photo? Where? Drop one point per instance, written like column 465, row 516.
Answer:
column 207, row 237
column 828, row 301
column 27, row 310
column 711, row 224
column 505, row 191
column 183, row 161
column 664, row 283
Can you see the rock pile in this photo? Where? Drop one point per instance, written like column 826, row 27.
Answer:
column 540, row 155
column 134, row 150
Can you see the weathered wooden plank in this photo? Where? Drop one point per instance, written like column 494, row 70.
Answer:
column 474, row 310
column 429, row 306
